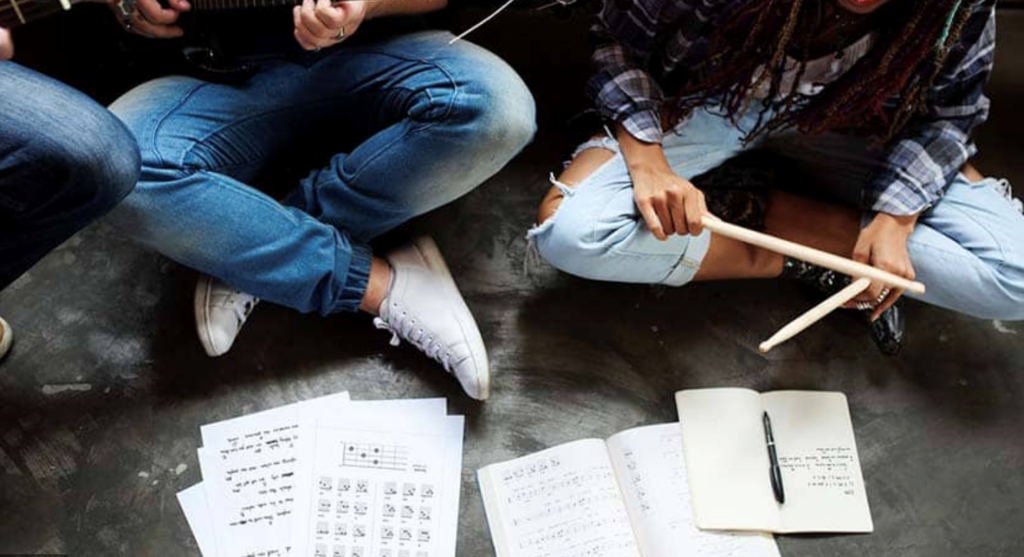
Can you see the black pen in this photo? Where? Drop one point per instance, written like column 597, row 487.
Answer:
column 773, row 460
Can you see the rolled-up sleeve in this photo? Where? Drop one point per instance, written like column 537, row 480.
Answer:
column 929, row 153
column 621, row 87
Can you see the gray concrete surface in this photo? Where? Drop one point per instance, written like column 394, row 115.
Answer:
column 101, row 400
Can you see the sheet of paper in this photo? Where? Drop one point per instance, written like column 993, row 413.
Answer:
column 820, row 466
column 727, row 459
column 651, row 470
column 561, row 502
column 197, row 514
column 249, row 467
column 252, row 462
column 380, row 483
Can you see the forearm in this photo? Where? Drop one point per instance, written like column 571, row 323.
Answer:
column 387, row 8
column 640, row 156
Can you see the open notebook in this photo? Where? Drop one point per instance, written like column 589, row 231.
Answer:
column 624, row 497
column 727, row 458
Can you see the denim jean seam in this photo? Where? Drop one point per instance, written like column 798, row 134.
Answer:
column 189, row 153
column 163, row 120
column 416, row 126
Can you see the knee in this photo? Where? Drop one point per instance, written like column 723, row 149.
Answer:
column 568, row 242
column 494, row 110
column 101, row 161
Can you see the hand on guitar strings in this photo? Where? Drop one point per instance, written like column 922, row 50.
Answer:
column 6, row 45
column 321, row 23
column 147, row 18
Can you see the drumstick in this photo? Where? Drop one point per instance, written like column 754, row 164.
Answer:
column 815, row 314
column 811, row 255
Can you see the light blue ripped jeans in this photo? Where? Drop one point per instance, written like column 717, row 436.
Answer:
column 968, row 248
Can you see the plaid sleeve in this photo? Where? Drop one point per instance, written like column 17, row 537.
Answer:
column 621, row 88
column 930, row 152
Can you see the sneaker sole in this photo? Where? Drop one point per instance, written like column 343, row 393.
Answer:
column 201, row 303
column 7, row 340
column 435, row 262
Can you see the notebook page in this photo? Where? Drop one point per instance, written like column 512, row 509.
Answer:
column 820, row 468
column 561, row 502
column 652, row 473
column 727, row 459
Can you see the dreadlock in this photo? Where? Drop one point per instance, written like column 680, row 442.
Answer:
column 754, row 40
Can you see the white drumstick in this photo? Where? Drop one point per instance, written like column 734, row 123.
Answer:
column 811, row 255
column 815, row 314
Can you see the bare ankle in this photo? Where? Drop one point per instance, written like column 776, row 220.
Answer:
column 377, row 286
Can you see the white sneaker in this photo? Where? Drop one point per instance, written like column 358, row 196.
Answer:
column 424, row 307
column 6, row 338
column 221, row 312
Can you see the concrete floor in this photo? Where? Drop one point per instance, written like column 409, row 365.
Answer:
column 107, row 380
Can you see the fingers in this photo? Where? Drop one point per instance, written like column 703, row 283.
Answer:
column 318, row 24
column 677, row 210
column 143, row 26
column 332, row 18
column 695, row 209
column 887, row 303
column 652, row 219
column 155, row 14
column 661, row 208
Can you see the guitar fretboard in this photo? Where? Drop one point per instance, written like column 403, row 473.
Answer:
column 218, row 5
column 18, row 12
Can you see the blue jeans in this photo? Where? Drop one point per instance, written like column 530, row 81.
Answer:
column 429, row 121
column 968, row 249
column 64, row 161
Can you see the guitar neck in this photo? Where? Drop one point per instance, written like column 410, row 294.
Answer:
column 224, row 5
column 19, row 12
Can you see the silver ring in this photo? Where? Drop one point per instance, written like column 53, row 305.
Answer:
column 341, row 34
column 125, row 10
column 883, row 295
column 864, row 306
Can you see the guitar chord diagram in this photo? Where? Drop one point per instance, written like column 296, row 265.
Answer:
column 371, row 455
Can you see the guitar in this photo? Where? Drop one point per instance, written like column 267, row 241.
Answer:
column 201, row 54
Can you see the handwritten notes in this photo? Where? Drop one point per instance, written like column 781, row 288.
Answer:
column 331, row 478
column 563, row 502
column 625, row 497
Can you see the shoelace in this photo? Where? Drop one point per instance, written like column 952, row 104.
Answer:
column 402, row 327
column 241, row 304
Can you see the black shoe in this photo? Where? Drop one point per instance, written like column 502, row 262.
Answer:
column 889, row 329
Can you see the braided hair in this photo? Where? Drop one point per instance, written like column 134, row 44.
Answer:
column 755, row 38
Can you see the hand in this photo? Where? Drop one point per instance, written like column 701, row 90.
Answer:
column 147, row 18
column 321, row 24
column 883, row 244
column 6, row 45
column 668, row 203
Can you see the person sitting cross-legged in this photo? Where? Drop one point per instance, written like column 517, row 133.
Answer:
column 406, row 123
column 874, row 100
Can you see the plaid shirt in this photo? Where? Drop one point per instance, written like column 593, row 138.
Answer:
column 639, row 42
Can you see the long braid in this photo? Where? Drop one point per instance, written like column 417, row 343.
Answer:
column 903, row 64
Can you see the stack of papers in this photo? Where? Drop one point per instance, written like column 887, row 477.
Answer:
column 330, row 477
